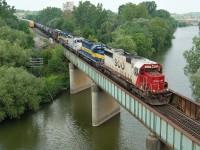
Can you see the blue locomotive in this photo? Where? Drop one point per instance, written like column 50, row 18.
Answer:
column 93, row 50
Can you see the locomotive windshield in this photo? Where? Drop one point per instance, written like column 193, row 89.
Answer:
column 151, row 70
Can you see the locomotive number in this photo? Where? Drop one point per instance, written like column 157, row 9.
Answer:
column 119, row 64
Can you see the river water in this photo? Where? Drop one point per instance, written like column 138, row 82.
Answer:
column 66, row 123
column 174, row 62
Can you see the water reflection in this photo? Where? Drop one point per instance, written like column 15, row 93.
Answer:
column 16, row 134
column 66, row 124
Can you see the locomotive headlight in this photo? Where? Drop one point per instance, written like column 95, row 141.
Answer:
column 167, row 89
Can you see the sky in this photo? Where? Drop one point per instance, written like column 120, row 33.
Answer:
column 173, row 6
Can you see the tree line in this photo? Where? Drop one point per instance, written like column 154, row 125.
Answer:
column 138, row 29
column 24, row 88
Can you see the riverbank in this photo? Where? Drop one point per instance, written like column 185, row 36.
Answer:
column 173, row 61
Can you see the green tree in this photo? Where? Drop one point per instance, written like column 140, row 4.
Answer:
column 55, row 72
column 192, row 69
column 120, row 9
column 13, row 54
column 23, row 27
column 31, row 17
column 6, row 11
column 2, row 22
column 161, row 13
column 158, row 30
column 23, row 39
column 89, row 17
column 150, row 5
column 124, row 42
column 193, row 57
column 48, row 14
column 55, row 23
column 105, row 32
column 7, row 14
column 144, row 45
column 68, row 26
column 137, row 26
column 19, row 91
column 131, row 11
column 195, row 84
column 87, row 31
column 55, row 84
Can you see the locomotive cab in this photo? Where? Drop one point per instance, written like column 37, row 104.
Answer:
column 151, row 78
column 151, row 81
column 75, row 43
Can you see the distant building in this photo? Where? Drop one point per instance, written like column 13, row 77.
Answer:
column 193, row 22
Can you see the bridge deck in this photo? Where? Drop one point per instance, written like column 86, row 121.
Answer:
column 163, row 127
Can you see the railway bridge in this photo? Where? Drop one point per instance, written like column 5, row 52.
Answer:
column 176, row 125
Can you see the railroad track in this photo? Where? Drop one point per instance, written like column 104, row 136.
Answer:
column 188, row 124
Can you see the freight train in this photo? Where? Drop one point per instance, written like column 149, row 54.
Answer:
column 141, row 76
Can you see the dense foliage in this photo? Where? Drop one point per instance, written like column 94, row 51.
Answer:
column 139, row 29
column 15, row 36
column 21, row 87
column 193, row 68
column 19, row 91
column 55, row 72
column 7, row 17
column 46, row 15
column 13, row 54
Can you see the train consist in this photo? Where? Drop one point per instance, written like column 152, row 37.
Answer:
column 141, row 76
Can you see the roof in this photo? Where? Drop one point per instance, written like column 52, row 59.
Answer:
column 142, row 62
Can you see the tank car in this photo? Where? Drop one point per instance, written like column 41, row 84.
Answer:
column 31, row 24
column 55, row 33
column 140, row 75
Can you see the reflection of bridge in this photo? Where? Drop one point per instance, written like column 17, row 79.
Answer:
column 193, row 22
column 174, row 127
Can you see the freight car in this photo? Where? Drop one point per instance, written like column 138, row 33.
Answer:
column 141, row 76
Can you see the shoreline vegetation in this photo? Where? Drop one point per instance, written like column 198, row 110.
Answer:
column 23, row 88
column 138, row 29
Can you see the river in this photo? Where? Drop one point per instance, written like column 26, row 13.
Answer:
column 66, row 123
column 174, row 62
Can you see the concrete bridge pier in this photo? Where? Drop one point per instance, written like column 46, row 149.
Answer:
column 104, row 106
column 154, row 143
column 78, row 80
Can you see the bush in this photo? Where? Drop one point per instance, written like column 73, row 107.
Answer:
column 53, row 84
column 19, row 91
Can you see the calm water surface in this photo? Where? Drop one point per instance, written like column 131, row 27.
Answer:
column 174, row 62
column 65, row 124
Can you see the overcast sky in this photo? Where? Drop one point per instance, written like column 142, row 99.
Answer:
column 173, row 6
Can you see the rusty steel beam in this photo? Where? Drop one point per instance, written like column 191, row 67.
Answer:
column 190, row 107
